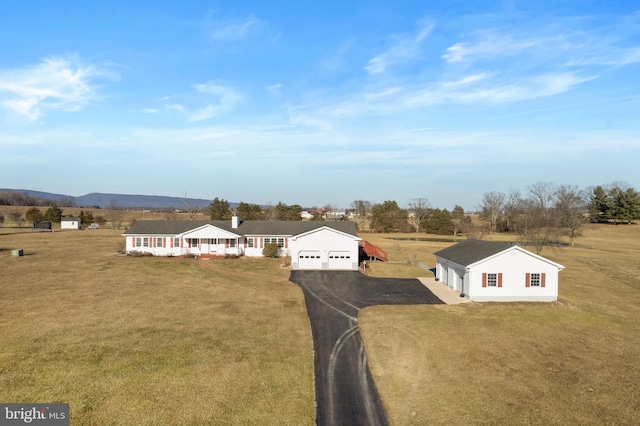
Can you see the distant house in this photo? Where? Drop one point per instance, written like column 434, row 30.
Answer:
column 311, row 244
column 497, row 272
column 70, row 223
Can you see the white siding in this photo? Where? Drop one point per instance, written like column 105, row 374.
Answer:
column 513, row 265
column 325, row 242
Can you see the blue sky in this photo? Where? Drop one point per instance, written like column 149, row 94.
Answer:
column 318, row 103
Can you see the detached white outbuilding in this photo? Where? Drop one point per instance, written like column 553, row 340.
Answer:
column 497, row 272
column 70, row 223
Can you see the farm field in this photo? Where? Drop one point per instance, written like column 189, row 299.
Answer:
column 148, row 340
column 570, row 362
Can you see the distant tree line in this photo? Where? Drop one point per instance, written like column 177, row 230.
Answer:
column 548, row 211
column 219, row 209
column 14, row 198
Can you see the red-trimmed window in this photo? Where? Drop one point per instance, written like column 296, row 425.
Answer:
column 492, row 279
column 535, row 279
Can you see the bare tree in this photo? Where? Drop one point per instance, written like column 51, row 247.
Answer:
column 16, row 217
column 570, row 208
column 419, row 209
column 115, row 214
column 362, row 210
column 191, row 208
column 477, row 231
column 512, row 211
column 491, row 207
column 543, row 194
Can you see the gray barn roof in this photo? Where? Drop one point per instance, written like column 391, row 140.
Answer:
column 249, row 227
column 468, row 252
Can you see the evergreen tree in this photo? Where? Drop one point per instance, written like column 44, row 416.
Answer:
column 389, row 217
column 439, row 222
column 34, row 214
column 219, row 209
column 86, row 218
column 285, row 212
column 248, row 211
column 599, row 205
column 53, row 214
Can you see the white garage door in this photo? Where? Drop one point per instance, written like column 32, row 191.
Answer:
column 309, row 260
column 340, row 260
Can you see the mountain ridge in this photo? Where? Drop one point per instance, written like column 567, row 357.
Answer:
column 103, row 200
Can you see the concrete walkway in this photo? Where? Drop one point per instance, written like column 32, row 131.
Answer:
column 444, row 293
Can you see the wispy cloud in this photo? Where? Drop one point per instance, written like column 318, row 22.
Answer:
column 56, row 84
column 227, row 29
column 217, row 98
column 403, row 48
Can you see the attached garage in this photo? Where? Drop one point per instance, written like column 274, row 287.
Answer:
column 308, row 259
column 339, row 260
column 325, row 248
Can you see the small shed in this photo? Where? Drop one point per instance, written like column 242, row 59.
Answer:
column 497, row 272
column 70, row 223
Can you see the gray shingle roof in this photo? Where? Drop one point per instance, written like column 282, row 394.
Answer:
column 249, row 227
column 468, row 252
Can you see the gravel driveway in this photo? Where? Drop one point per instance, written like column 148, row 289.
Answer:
column 345, row 391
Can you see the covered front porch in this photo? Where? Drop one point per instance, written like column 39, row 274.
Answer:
column 210, row 241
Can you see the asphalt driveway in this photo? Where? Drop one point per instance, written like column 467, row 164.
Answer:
column 345, row 391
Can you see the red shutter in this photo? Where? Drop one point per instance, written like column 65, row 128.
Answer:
column 286, row 243
column 133, row 241
column 226, row 243
column 500, row 279
column 484, row 279
column 543, row 277
column 527, row 283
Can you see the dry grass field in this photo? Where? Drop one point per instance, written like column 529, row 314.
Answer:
column 571, row 362
column 151, row 340
column 180, row 341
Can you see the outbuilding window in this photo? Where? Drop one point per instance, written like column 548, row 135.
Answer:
column 491, row 279
column 535, row 279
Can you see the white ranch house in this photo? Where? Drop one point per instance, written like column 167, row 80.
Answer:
column 497, row 272
column 311, row 245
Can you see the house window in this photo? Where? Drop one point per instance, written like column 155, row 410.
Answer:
column 176, row 241
column 194, row 242
column 232, row 242
column 280, row 242
column 159, row 242
column 145, row 242
column 138, row 242
column 250, row 242
column 492, row 280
